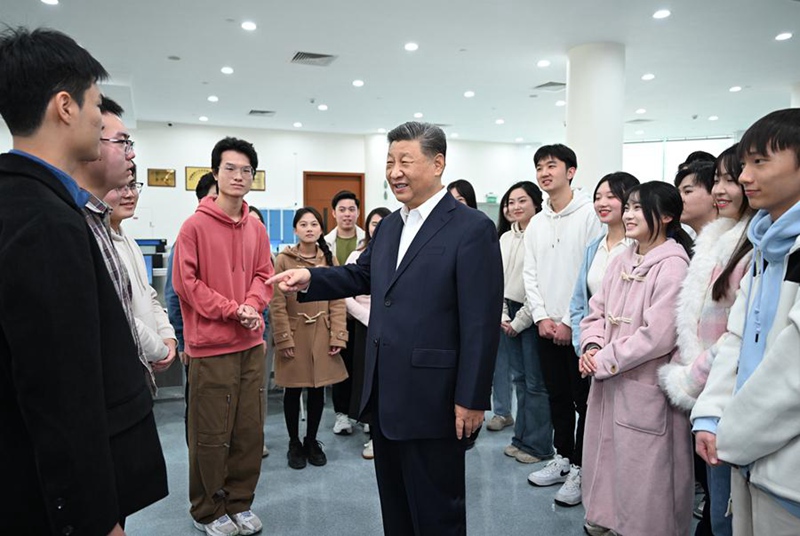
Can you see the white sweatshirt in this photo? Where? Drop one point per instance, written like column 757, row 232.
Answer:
column 555, row 244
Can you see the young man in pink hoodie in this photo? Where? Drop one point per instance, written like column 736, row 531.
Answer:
column 221, row 264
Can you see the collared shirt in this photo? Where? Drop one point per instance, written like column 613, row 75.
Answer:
column 96, row 213
column 80, row 197
column 413, row 220
column 603, row 257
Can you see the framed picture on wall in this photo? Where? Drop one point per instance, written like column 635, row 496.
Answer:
column 260, row 181
column 193, row 176
column 161, row 177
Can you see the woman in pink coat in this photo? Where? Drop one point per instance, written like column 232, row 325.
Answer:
column 637, row 455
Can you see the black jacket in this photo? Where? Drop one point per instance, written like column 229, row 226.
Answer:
column 78, row 444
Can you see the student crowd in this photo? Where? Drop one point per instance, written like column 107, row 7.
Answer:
column 649, row 333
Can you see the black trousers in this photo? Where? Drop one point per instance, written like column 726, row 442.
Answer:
column 421, row 483
column 567, row 393
column 341, row 391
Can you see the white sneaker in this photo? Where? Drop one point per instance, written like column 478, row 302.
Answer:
column 219, row 527
column 366, row 428
column 555, row 472
column 570, row 492
column 342, row 425
column 247, row 522
column 368, row 453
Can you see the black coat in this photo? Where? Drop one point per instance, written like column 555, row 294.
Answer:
column 434, row 322
column 78, row 444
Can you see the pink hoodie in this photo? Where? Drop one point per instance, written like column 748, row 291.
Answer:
column 219, row 265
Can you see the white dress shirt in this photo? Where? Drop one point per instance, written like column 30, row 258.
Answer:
column 413, row 220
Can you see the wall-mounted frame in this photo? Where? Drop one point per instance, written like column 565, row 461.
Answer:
column 163, row 178
column 193, row 176
column 260, row 181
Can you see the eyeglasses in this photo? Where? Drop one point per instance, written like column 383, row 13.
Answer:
column 246, row 171
column 127, row 142
column 134, row 187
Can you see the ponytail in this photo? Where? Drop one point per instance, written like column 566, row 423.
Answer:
column 680, row 236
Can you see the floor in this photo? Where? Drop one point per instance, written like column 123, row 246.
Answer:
column 341, row 498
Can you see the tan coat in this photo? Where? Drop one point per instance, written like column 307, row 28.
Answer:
column 310, row 328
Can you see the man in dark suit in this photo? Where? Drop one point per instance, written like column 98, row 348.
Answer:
column 79, row 448
column 435, row 274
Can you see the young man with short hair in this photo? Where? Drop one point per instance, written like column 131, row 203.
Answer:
column 222, row 262
column 343, row 240
column 555, row 243
column 695, row 182
column 748, row 415
column 79, row 442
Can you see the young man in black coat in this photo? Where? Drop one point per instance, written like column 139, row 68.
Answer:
column 79, row 447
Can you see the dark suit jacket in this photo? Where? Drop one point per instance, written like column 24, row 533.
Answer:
column 434, row 321
column 78, row 445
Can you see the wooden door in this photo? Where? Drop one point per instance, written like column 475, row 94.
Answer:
column 319, row 187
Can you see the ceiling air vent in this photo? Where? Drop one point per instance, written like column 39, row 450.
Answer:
column 311, row 58
column 551, row 86
column 261, row 113
column 638, row 121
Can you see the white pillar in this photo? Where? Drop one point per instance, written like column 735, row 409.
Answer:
column 375, row 147
column 595, row 101
column 796, row 95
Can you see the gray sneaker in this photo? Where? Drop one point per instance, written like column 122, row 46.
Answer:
column 223, row 526
column 570, row 492
column 511, row 451
column 497, row 423
column 247, row 522
column 523, row 457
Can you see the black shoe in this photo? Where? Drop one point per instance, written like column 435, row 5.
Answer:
column 314, row 452
column 296, row 454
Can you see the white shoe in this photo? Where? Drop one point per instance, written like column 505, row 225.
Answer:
column 366, row 428
column 342, row 425
column 556, row 471
column 368, row 453
column 247, row 522
column 570, row 492
column 223, row 526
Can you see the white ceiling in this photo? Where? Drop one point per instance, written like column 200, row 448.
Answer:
column 488, row 46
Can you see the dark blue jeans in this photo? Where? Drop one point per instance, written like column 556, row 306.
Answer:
column 533, row 431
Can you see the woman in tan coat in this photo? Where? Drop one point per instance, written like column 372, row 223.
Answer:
column 308, row 338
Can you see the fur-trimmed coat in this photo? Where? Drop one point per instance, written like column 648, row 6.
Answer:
column 700, row 320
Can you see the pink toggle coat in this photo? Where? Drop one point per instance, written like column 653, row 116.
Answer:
column 638, row 475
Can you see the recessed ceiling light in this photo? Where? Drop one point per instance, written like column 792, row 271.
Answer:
column 713, row 117
column 783, row 36
column 382, row 131
column 411, row 47
column 226, row 70
column 454, row 135
column 249, row 25
column 543, row 63
column 641, row 111
column 358, row 83
column 518, row 140
column 203, row 118
column 50, row 2
column 639, row 132
column 418, row 115
column 213, row 98
column 735, row 89
column 297, row 124
column 648, row 76
column 499, row 121
column 662, row 14
column 561, row 103
column 469, row 94
column 322, row 107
